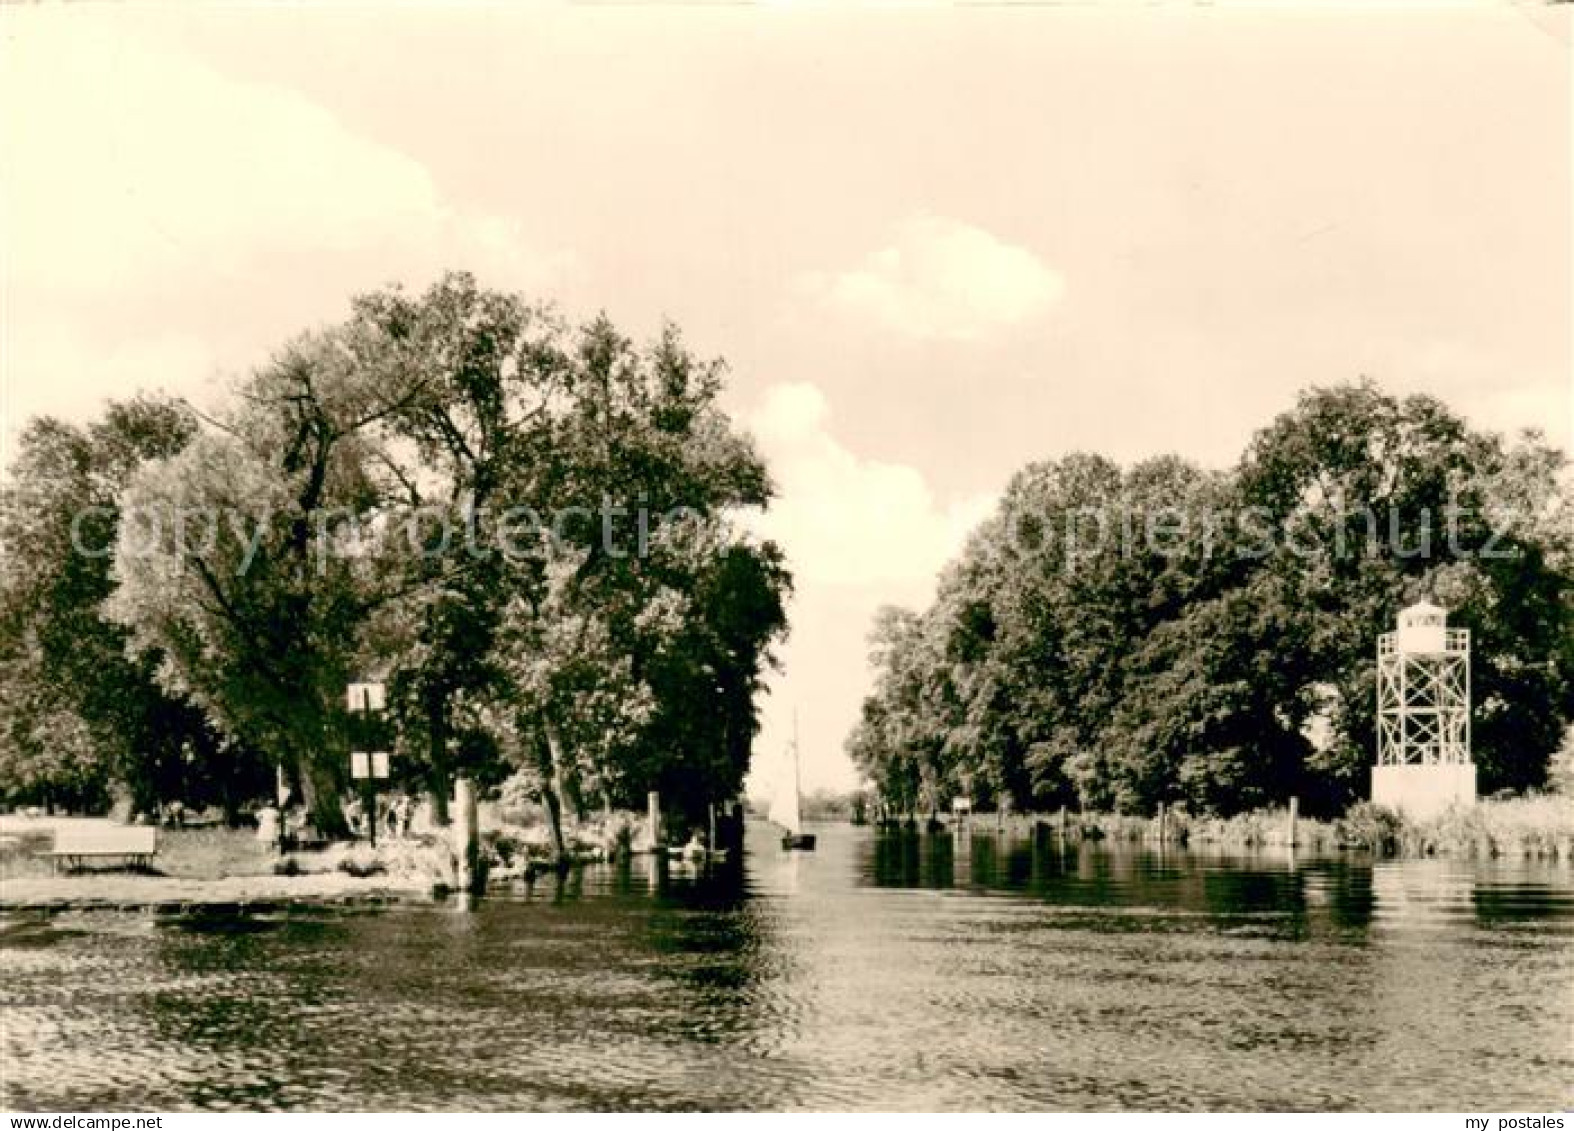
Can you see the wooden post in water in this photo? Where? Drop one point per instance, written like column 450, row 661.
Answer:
column 1295, row 812
column 1161, row 822
column 653, row 819
column 467, row 835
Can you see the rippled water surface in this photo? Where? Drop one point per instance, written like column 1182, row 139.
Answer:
column 880, row 971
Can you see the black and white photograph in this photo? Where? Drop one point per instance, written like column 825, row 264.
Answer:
column 787, row 557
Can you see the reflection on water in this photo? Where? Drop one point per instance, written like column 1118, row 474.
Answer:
column 891, row 971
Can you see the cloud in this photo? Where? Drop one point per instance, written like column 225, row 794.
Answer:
column 127, row 159
column 55, row 361
column 162, row 221
column 944, row 279
column 847, row 520
column 859, row 533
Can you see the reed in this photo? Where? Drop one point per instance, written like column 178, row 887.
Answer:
column 1539, row 826
column 1536, row 827
column 1263, row 828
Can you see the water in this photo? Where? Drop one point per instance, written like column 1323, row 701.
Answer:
column 877, row 972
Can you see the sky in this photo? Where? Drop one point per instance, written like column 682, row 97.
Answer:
column 933, row 243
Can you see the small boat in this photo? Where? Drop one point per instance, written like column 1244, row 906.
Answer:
column 785, row 807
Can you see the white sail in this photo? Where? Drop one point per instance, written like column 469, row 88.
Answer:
column 784, row 800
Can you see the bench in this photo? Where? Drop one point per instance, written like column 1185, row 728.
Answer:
column 132, row 844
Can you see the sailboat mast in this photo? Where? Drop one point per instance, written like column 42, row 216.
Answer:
column 796, row 838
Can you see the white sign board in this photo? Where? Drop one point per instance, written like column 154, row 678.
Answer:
column 360, row 767
column 379, row 763
column 367, row 697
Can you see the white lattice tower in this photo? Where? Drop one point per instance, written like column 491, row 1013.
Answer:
column 1423, row 691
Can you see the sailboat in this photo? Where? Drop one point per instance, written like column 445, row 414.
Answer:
column 784, row 809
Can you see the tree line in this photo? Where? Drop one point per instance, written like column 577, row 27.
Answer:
column 1119, row 638
column 529, row 530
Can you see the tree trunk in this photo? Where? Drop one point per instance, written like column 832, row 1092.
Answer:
column 439, row 781
column 552, row 788
column 228, row 801
column 320, row 795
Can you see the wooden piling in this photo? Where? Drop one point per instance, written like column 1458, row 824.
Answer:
column 653, row 819
column 467, row 836
column 1295, row 812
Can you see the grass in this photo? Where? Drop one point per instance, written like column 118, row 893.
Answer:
column 203, row 854
column 1264, row 828
column 1537, row 827
column 1534, row 827
column 214, row 853
column 1260, row 828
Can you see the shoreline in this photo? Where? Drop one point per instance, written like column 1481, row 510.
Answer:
column 120, row 891
column 1523, row 829
column 1526, row 828
column 213, row 867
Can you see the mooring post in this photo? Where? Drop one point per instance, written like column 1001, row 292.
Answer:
column 653, row 819
column 1161, row 822
column 1295, row 812
column 467, row 835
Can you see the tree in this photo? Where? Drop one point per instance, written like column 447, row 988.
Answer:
column 358, row 513
column 233, row 574
column 1383, row 501
column 576, row 707
column 484, row 368
column 1158, row 634
column 641, row 595
column 900, row 742
column 84, row 716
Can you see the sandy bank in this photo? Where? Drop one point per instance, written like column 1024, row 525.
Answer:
column 118, row 890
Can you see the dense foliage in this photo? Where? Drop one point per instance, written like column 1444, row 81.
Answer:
column 78, row 714
column 524, row 527
column 1119, row 638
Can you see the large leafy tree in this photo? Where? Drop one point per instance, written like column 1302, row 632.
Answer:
column 362, row 510
column 235, row 576
column 622, row 470
column 481, row 370
column 82, row 714
column 641, row 594
column 1123, row 638
column 1384, row 500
